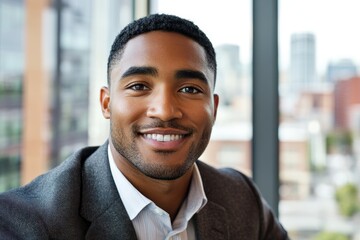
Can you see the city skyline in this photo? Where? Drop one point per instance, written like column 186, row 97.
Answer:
column 329, row 21
column 323, row 18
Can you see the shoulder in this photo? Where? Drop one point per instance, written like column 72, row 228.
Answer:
column 57, row 181
column 238, row 195
column 227, row 180
column 16, row 214
column 28, row 210
column 230, row 188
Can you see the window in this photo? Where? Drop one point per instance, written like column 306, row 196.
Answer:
column 319, row 102
column 12, row 17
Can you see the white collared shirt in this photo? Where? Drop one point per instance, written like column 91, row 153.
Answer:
column 150, row 221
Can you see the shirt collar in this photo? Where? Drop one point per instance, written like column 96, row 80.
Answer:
column 135, row 202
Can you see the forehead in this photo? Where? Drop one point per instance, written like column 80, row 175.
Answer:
column 164, row 43
column 163, row 50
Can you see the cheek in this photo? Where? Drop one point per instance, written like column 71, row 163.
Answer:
column 126, row 110
column 203, row 115
column 209, row 109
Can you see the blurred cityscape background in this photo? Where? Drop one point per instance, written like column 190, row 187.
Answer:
column 53, row 57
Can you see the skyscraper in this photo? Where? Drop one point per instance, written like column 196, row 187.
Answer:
column 341, row 70
column 302, row 62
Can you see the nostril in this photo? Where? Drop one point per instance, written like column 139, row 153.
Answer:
column 164, row 112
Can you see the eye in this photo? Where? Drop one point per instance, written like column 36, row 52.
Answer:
column 138, row 87
column 191, row 90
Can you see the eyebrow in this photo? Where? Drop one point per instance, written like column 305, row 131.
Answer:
column 140, row 71
column 186, row 73
column 180, row 74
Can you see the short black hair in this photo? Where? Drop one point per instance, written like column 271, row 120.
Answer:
column 161, row 22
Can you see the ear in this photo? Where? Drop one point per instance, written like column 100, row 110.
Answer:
column 216, row 104
column 105, row 101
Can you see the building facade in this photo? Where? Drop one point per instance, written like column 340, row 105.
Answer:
column 341, row 70
column 347, row 101
column 302, row 62
column 53, row 58
column 11, row 84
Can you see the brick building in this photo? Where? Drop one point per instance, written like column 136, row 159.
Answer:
column 347, row 100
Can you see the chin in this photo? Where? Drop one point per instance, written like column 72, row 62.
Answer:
column 160, row 172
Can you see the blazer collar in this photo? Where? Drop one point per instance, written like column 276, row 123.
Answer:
column 103, row 209
column 211, row 221
column 101, row 205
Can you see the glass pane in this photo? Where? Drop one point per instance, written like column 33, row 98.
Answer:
column 12, row 22
column 87, row 32
column 230, row 31
column 320, row 118
column 70, row 110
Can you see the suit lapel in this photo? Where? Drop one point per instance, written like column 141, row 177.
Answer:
column 103, row 209
column 101, row 204
column 211, row 222
column 114, row 223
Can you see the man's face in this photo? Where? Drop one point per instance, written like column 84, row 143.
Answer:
column 160, row 104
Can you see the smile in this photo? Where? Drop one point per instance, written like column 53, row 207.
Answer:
column 164, row 137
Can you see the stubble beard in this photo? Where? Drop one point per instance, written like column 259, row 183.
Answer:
column 131, row 153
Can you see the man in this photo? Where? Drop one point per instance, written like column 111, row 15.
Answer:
column 146, row 182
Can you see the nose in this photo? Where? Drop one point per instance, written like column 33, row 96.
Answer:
column 164, row 105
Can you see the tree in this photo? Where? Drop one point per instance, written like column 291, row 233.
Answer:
column 331, row 236
column 347, row 198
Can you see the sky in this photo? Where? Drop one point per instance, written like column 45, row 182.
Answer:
column 223, row 21
column 334, row 23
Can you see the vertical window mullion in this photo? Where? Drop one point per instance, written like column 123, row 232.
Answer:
column 265, row 147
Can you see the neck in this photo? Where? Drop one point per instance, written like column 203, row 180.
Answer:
column 166, row 194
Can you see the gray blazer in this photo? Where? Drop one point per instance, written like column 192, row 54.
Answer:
column 79, row 200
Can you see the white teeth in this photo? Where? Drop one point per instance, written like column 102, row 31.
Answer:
column 159, row 138
column 163, row 138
